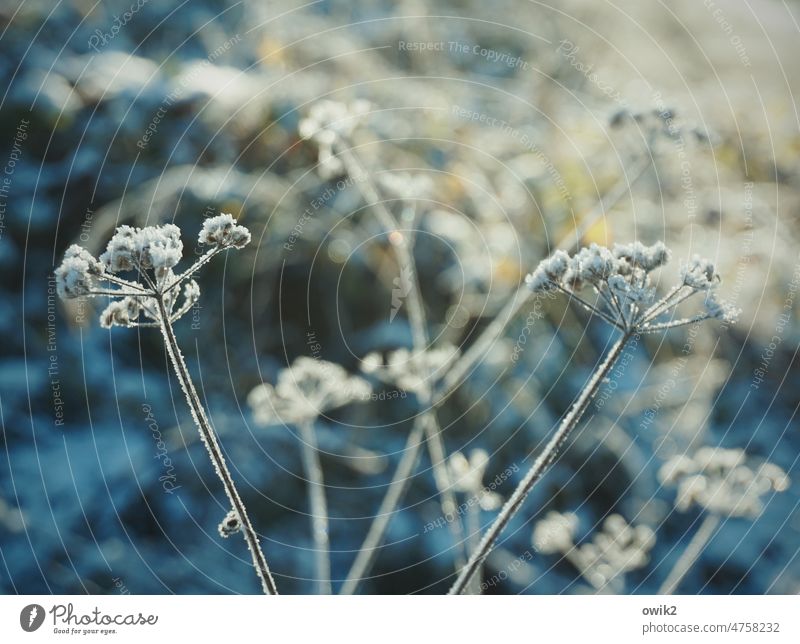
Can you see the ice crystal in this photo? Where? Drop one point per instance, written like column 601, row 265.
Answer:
column 306, row 389
column 229, row 525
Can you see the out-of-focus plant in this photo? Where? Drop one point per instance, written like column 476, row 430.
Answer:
column 624, row 298
column 306, row 389
column 722, row 483
column 615, row 550
column 150, row 297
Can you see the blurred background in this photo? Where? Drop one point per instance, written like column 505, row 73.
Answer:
column 675, row 122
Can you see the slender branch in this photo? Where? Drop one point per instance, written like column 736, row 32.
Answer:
column 652, row 328
column 539, row 466
column 396, row 490
column 589, row 307
column 690, row 555
column 202, row 261
column 416, row 316
column 317, row 504
column 209, row 439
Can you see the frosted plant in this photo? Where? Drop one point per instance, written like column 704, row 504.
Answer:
column 722, row 483
column 229, row 525
column 306, row 389
column 327, row 123
column 625, row 296
column 626, row 299
column 150, row 296
column 411, row 375
column 467, row 477
column 616, row 549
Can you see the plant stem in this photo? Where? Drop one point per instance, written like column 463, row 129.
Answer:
column 209, row 439
column 416, row 317
column 690, row 555
column 397, row 487
column 317, row 504
column 539, row 466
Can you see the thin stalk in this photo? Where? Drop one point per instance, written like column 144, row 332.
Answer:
column 416, row 316
column 208, row 436
column 539, row 466
column 690, row 555
column 317, row 504
column 396, row 490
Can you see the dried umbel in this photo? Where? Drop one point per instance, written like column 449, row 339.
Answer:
column 306, row 389
column 724, row 482
column 467, row 476
column 616, row 549
column 149, row 297
column 150, row 254
column 409, row 372
column 625, row 296
column 328, row 123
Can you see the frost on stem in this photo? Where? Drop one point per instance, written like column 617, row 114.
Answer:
column 410, row 372
column 229, row 525
column 724, row 482
column 151, row 296
column 306, row 389
column 328, row 123
column 624, row 295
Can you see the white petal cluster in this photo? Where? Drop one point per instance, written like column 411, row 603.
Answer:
column 722, row 481
column 409, row 372
column 327, row 123
column 467, row 476
column 306, row 389
column 223, row 231
column 620, row 278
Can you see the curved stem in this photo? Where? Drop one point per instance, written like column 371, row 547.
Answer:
column 539, row 466
column 317, row 504
column 690, row 555
column 209, row 439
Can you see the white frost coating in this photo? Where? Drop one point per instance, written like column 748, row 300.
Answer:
column 223, row 230
column 620, row 280
column 411, row 373
column 328, row 123
column 153, row 252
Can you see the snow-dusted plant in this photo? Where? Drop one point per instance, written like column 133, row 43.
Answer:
column 626, row 299
column 304, row 391
column 614, row 550
column 409, row 374
column 327, row 123
column 722, row 483
column 153, row 294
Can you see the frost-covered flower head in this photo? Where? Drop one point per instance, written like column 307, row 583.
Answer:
column 722, row 481
column 152, row 293
column 625, row 295
column 327, row 123
column 407, row 371
column 467, row 476
column 614, row 550
column 306, row 389
column 555, row 533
